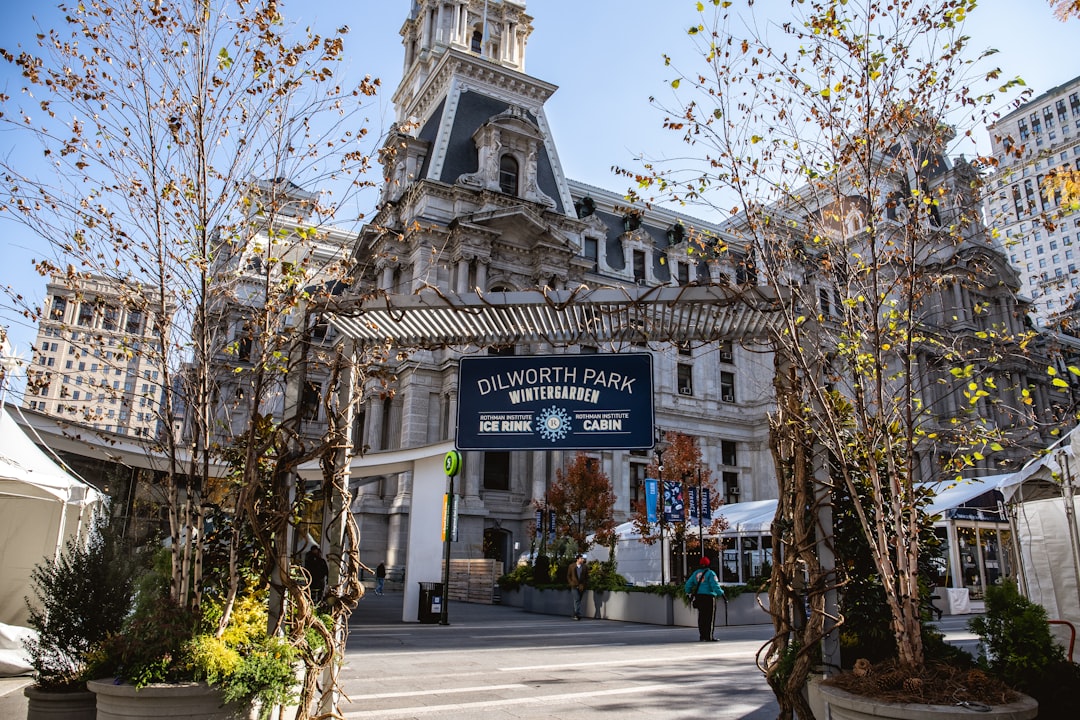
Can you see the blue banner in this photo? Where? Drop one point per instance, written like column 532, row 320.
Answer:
column 651, row 492
column 700, row 503
column 555, row 402
column 551, row 526
column 674, row 506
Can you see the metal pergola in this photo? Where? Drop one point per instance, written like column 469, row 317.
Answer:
column 431, row 319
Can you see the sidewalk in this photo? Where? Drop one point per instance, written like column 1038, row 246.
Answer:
column 496, row 662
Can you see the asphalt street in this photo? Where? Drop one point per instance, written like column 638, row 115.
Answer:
column 501, row 663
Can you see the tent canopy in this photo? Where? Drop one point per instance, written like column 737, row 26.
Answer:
column 42, row 506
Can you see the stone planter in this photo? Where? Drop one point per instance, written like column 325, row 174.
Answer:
column 190, row 701
column 641, row 607
column 59, row 705
column 837, row 704
column 512, row 598
column 636, row 607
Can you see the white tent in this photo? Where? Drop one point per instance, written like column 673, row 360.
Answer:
column 41, row 507
column 1044, row 512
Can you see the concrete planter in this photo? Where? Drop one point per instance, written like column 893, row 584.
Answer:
column 636, row 607
column 548, row 602
column 59, row 705
column 837, row 704
column 187, row 701
column 643, row 607
column 512, row 598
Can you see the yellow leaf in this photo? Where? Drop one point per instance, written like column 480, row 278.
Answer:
column 1058, row 382
column 675, row 83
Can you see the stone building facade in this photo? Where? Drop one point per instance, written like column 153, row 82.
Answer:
column 475, row 200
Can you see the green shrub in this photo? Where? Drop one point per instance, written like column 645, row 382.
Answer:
column 513, row 580
column 1021, row 650
column 79, row 601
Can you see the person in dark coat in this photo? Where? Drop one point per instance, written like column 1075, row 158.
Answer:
column 577, row 577
column 380, row 578
column 318, row 570
column 705, row 587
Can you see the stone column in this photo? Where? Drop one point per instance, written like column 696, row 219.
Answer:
column 481, row 273
column 463, row 276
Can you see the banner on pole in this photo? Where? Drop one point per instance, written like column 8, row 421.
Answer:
column 651, row 493
column 451, row 502
column 674, row 506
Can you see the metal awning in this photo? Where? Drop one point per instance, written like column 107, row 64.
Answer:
column 432, row 319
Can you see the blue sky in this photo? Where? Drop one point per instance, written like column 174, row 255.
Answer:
column 605, row 56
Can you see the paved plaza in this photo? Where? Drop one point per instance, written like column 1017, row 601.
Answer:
column 498, row 663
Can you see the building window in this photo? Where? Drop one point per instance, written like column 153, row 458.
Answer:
column 496, row 471
column 727, row 387
column 726, row 354
column 731, row 486
column 639, row 267
column 728, row 454
column 637, row 482
column 243, row 343
column 309, row 401
column 685, row 379
column 477, row 42
column 823, row 302
column 59, row 307
column 592, row 253
column 86, row 314
column 508, row 174
column 684, row 273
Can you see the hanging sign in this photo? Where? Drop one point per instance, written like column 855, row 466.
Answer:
column 555, row 402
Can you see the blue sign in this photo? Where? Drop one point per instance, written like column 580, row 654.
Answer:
column 652, row 490
column 555, row 402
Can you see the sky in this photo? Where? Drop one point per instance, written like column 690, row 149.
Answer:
column 604, row 55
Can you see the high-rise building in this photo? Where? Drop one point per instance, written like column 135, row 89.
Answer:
column 1040, row 235
column 96, row 358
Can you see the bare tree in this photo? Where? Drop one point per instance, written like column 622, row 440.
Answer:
column 900, row 344
column 173, row 134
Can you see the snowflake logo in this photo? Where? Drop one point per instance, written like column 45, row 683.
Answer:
column 554, row 423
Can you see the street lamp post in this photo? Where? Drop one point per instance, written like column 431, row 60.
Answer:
column 659, row 446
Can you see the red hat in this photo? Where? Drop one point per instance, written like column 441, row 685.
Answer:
column 704, row 562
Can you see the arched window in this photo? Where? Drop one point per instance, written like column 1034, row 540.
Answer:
column 477, row 44
column 508, row 174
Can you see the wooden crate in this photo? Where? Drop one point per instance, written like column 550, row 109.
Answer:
column 473, row 580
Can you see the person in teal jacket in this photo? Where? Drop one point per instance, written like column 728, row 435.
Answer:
column 705, row 587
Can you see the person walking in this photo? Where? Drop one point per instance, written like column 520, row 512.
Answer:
column 380, row 578
column 704, row 587
column 577, row 577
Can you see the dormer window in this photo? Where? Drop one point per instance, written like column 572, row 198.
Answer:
column 508, row 175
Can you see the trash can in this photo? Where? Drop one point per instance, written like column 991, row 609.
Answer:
column 431, row 599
